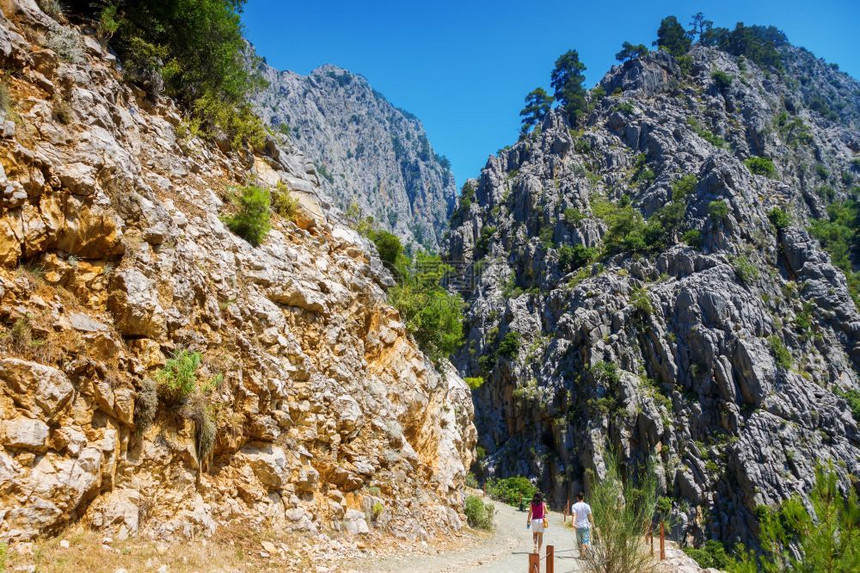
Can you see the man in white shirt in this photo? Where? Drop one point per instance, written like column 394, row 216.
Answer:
column 583, row 521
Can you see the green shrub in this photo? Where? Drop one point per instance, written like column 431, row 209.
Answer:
column 711, row 554
column 478, row 513
column 852, row 396
column 683, row 188
column 642, row 174
column 623, row 503
column 4, row 550
column 827, row 539
column 546, row 236
column 474, row 382
column 284, row 203
column 510, row 345
column 571, row 258
column 378, row 508
column 746, row 271
column 626, row 227
column 433, row 316
column 178, row 378
column 822, row 171
column 641, row 301
column 779, row 218
column 195, row 50
column 761, row 166
column 793, row 130
column 705, row 134
column 389, row 247
column 624, row 107
column 693, row 237
column 251, row 222
column 672, row 37
column 510, row 490
column 780, row 352
column 487, row 233
column 718, row 209
column 839, row 236
column 108, row 23
column 573, row 216
column 722, row 79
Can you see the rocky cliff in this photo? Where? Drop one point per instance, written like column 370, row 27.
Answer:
column 313, row 410
column 642, row 288
column 367, row 151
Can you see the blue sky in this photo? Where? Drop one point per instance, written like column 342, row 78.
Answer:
column 463, row 67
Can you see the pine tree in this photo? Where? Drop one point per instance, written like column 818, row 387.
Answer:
column 537, row 107
column 699, row 27
column 631, row 52
column 672, row 37
column 567, row 80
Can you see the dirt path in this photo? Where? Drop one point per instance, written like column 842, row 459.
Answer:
column 506, row 550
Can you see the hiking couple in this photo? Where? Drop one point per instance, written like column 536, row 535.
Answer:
column 583, row 521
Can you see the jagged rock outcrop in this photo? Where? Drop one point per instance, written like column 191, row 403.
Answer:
column 366, row 150
column 114, row 258
column 730, row 355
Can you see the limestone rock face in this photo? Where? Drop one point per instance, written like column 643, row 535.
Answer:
column 311, row 401
column 364, row 150
column 730, row 353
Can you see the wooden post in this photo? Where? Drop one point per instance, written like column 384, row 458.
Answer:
column 651, row 537
column 534, row 563
column 662, row 542
column 550, row 557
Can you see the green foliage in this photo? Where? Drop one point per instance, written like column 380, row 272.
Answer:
column 631, row 52
column 377, row 510
column 571, row 258
column 510, row 345
column 722, row 79
column 758, row 43
column 510, row 490
column 818, row 103
column 747, row 272
column 284, row 203
column 538, row 104
column 693, row 237
column 195, row 50
column 839, row 236
column 4, row 550
column 780, row 352
column 545, row 235
column 474, row 382
column 641, row 301
column 433, row 316
column 623, row 506
column 178, row 378
column 699, row 26
column 487, row 233
column 779, row 218
column 718, row 209
column 852, row 396
column 821, row 171
column 828, row 538
column 567, row 80
column 624, row 107
column 478, row 513
column 389, row 247
column 761, row 166
column 573, row 216
column 252, row 220
column 108, row 23
column 672, row 37
column 467, row 197
column 711, row 554
column 5, row 97
column 627, row 230
column 642, row 174
column 705, row 134
column 793, row 130
column 683, row 188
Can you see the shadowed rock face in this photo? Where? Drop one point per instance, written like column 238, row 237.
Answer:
column 695, row 332
column 113, row 257
column 365, row 150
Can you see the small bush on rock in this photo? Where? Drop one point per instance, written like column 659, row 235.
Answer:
column 474, row 382
column 252, row 221
column 761, row 166
column 780, row 352
column 284, row 202
column 178, row 378
column 478, row 513
column 510, row 344
column 718, row 209
column 146, row 405
column 779, row 218
column 721, row 79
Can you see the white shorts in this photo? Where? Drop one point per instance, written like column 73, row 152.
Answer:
column 537, row 525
